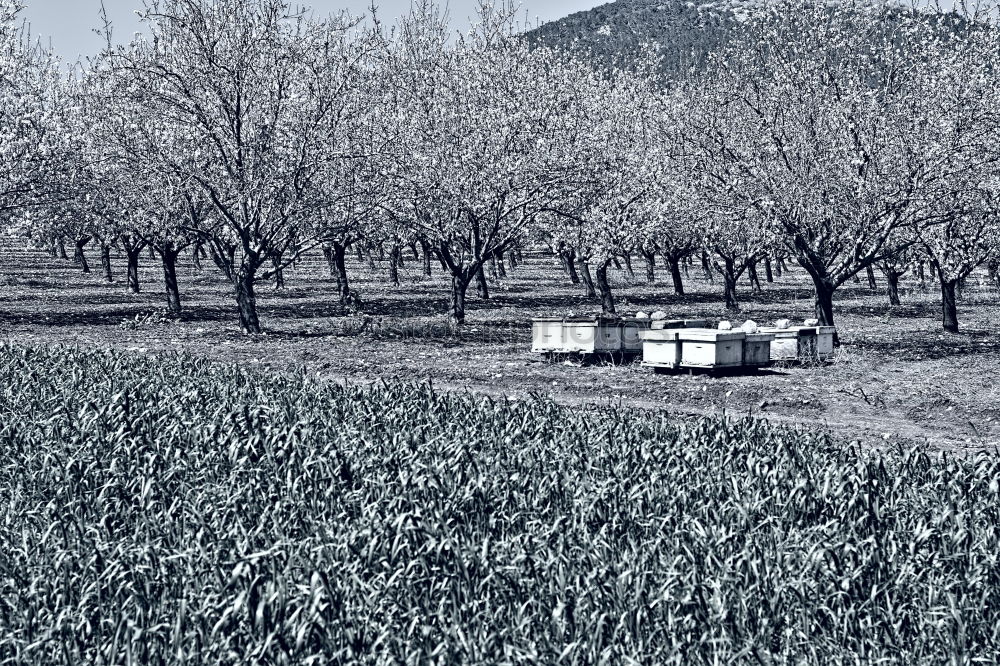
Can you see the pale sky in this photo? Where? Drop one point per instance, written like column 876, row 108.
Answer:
column 70, row 24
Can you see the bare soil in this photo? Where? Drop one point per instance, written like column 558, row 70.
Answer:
column 897, row 378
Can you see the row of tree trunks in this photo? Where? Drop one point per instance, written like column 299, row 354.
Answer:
column 168, row 254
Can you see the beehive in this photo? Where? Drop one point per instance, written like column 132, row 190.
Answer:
column 546, row 334
column 588, row 335
column 801, row 343
column 709, row 348
column 757, row 349
column 661, row 348
column 824, row 342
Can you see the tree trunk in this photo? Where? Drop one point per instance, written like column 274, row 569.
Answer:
column 394, row 266
column 675, row 274
column 106, row 263
column 949, row 305
column 707, row 267
column 892, row 278
column 328, row 255
column 684, row 263
column 51, row 247
column 196, row 256
column 768, row 273
column 779, row 270
column 754, row 278
column 425, row 248
column 482, row 289
column 586, row 278
column 246, row 301
column 512, row 259
column 729, row 287
column 61, row 245
column 568, row 258
column 628, row 264
column 650, row 258
column 824, row 300
column 459, row 284
column 133, row 269
column 501, row 269
column 169, row 257
column 871, row 278
column 494, row 273
column 607, row 300
column 79, row 257
column 338, row 255
column 415, row 251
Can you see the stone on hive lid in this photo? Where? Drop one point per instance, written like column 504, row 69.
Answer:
column 658, row 315
column 782, row 324
column 725, row 326
column 811, row 322
column 641, row 315
column 749, row 326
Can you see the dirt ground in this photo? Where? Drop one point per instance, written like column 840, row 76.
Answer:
column 897, row 378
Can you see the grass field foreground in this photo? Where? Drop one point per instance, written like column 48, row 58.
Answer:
column 173, row 510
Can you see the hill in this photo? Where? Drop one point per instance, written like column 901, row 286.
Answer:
column 683, row 32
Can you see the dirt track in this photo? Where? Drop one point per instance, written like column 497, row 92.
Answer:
column 897, row 377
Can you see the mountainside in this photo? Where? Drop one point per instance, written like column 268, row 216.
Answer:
column 684, row 31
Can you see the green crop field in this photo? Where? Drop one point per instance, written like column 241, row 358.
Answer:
column 172, row 510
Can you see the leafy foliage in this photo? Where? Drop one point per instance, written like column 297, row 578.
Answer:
column 171, row 510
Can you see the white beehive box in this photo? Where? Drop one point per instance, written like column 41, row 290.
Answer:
column 824, row 342
column 709, row 348
column 801, row 343
column 587, row 335
column 661, row 348
column 546, row 334
column 757, row 349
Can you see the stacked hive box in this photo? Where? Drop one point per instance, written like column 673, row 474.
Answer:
column 587, row 335
column 596, row 335
column 802, row 343
column 705, row 348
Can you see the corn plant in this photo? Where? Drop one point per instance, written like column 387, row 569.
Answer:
column 170, row 510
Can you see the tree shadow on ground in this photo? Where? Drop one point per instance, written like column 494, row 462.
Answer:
column 932, row 345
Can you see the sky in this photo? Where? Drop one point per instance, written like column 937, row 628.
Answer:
column 69, row 24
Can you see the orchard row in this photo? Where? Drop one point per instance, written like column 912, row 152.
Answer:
column 842, row 139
